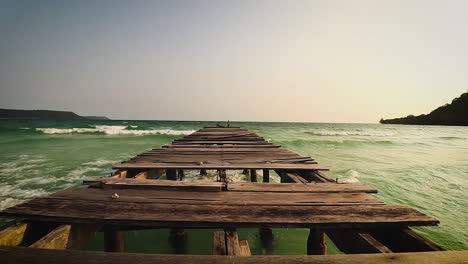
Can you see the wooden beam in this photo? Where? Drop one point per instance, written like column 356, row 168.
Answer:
column 404, row 240
column 47, row 256
column 13, row 235
column 35, row 231
column 356, row 241
column 57, row 239
column 316, row 244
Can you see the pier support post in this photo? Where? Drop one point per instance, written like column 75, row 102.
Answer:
column 245, row 171
column 266, row 175
column 180, row 175
column 178, row 240
column 253, row 175
column 266, row 239
column 114, row 240
column 222, row 175
column 316, row 244
column 171, row 174
column 203, row 172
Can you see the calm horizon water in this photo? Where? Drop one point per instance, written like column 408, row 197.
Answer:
column 425, row 167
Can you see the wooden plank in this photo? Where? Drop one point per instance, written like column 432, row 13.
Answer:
column 226, row 166
column 244, row 248
column 404, row 240
column 299, row 187
column 356, row 241
column 13, row 235
column 221, row 198
column 108, row 183
column 56, row 239
column 117, row 212
column 219, row 243
column 47, row 256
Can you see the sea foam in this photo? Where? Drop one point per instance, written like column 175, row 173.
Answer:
column 114, row 130
column 368, row 133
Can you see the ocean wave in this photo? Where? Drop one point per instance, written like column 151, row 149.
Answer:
column 353, row 133
column 114, row 130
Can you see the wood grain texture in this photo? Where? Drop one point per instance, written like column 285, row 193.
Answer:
column 14, row 255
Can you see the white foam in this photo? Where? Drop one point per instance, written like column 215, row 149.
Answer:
column 115, row 130
column 369, row 133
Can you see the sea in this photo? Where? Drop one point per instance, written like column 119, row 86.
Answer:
column 425, row 167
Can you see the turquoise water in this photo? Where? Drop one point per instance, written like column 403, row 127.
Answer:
column 425, row 167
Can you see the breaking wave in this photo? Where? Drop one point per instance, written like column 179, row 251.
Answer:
column 114, row 130
column 353, row 133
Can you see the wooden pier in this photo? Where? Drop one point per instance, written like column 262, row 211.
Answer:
column 149, row 191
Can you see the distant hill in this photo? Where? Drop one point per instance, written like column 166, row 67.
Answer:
column 453, row 114
column 97, row 117
column 40, row 115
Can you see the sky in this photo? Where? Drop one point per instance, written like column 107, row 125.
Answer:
column 297, row 61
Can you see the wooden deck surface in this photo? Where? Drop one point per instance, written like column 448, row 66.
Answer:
column 15, row 255
column 216, row 209
column 221, row 148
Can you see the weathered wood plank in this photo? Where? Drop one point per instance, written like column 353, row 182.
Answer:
column 108, row 183
column 237, row 166
column 221, row 198
column 299, row 187
column 47, row 256
column 117, row 212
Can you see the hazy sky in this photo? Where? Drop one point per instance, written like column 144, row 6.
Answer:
column 322, row 61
